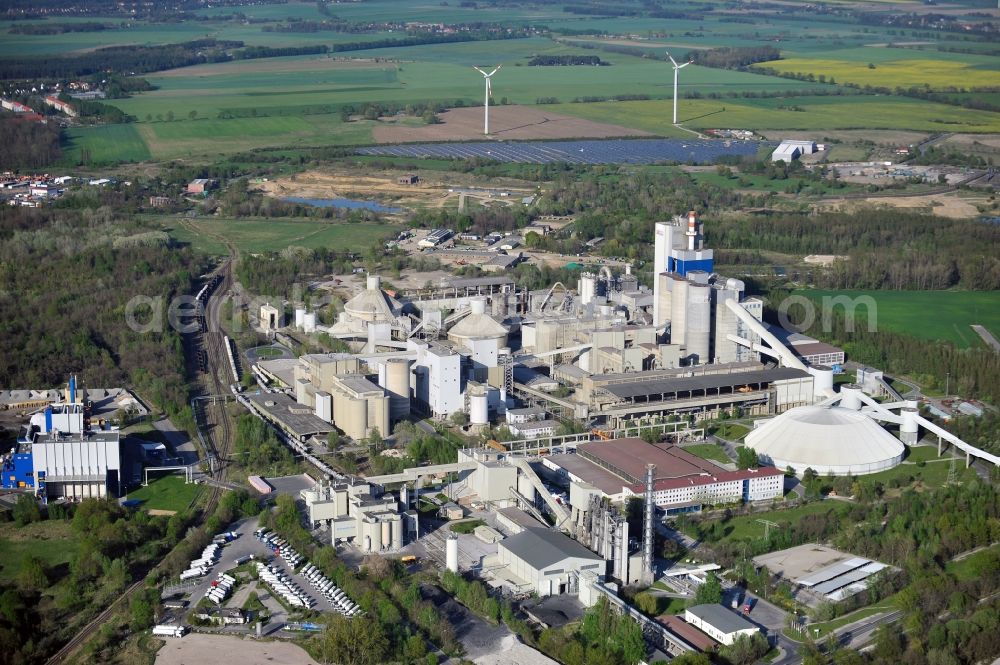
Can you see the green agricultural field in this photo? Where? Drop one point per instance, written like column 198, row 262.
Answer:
column 807, row 113
column 52, row 541
column 166, row 493
column 257, row 235
column 932, row 474
column 104, row 144
column 906, row 312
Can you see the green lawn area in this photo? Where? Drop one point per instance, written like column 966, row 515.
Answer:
column 746, row 527
column 467, row 526
column 765, row 184
column 906, row 311
column 710, row 451
column 257, row 235
column 52, row 541
column 267, row 352
column 166, row 493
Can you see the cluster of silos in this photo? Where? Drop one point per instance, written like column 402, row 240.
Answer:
column 305, row 320
column 381, row 532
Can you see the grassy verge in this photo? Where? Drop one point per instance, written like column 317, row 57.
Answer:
column 466, row 527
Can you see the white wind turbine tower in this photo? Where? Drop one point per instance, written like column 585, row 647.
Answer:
column 677, row 68
column 486, row 106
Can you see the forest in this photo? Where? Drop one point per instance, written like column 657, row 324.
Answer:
column 918, row 532
column 66, row 276
column 566, row 60
column 733, row 58
column 28, row 145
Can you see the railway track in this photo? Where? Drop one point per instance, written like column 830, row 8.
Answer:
column 219, row 440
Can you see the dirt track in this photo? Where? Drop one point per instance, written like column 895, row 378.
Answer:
column 506, row 122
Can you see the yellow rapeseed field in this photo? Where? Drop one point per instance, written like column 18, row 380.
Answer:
column 938, row 74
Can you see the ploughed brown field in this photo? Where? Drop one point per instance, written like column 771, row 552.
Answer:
column 506, row 122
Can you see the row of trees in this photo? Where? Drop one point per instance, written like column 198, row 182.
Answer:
column 28, row 145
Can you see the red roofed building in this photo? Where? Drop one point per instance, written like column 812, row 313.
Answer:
column 680, row 477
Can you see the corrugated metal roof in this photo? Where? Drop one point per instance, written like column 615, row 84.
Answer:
column 724, row 620
column 541, row 548
column 702, row 382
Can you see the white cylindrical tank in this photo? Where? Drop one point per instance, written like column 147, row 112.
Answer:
column 324, row 406
column 300, row 316
column 397, row 533
column 397, row 384
column 587, row 287
column 373, row 283
column 909, row 430
column 386, row 535
column 375, row 531
column 822, row 380
column 451, row 554
column 678, row 288
column 479, row 409
column 356, row 425
column 850, row 396
column 309, row 322
column 698, row 331
column 477, row 306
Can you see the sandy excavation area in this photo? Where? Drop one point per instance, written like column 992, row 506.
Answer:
column 196, row 649
column 939, row 204
column 383, row 186
column 506, row 122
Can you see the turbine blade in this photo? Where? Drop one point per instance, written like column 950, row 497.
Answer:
column 674, row 62
column 479, row 70
column 496, row 70
column 683, row 66
column 489, row 87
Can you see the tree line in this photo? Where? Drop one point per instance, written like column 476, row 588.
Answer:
column 567, row 60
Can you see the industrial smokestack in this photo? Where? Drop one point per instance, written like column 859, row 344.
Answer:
column 647, row 532
column 692, row 232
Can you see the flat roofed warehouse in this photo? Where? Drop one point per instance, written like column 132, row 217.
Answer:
column 547, row 560
column 298, row 420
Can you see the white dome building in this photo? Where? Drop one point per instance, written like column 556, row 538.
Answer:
column 829, row 439
column 372, row 305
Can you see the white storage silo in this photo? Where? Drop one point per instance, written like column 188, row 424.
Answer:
column 397, row 384
column 850, row 396
column 698, row 330
column 300, row 317
column 587, row 287
column 309, row 322
column 822, row 380
column 479, row 408
column 909, row 429
column 387, row 535
column 451, row 554
column 397, row 533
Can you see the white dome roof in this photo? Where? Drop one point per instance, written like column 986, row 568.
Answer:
column 827, row 439
column 372, row 304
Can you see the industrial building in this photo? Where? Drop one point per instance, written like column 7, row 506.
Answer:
column 719, row 623
column 680, row 478
column 789, row 150
column 547, row 561
column 823, row 574
column 66, row 452
column 373, row 522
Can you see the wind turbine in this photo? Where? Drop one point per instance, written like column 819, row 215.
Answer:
column 486, row 107
column 677, row 68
